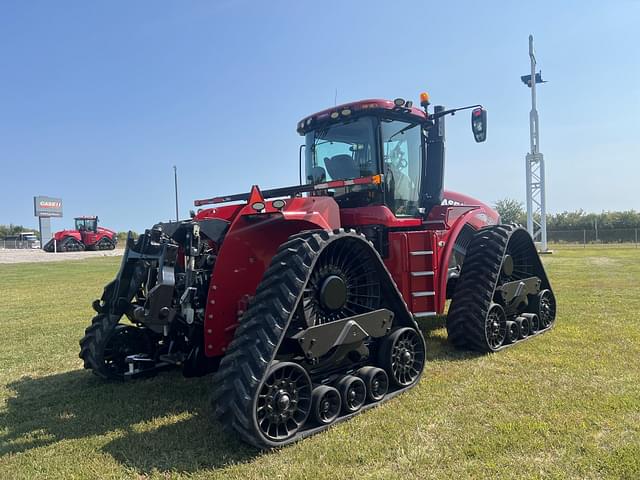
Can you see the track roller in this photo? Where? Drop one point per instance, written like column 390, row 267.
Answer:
column 524, row 325
column 513, row 332
column 376, row 381
column 534, row 322
column 325, row 404
column 353, row 392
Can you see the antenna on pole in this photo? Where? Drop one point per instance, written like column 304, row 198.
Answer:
column 335, row 98
column 175, row 182
column 536, row 197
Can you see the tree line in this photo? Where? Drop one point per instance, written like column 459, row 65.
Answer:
column 512, row 211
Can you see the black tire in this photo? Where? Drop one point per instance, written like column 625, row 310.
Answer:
column 325, row 404
column 353, row 392
column 107, row 343
column 377, row 382
column 544, row 305
column 402, row 355
column 284, row 402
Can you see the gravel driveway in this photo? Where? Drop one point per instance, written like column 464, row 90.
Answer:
column 36, row 255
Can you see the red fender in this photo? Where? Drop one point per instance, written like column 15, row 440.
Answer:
column 456, row 218
column 246, row 252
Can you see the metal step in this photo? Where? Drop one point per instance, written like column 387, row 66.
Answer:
column 423, row 294
column 424, row 314
column 422, row 274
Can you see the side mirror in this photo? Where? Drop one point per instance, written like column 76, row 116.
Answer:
column 479, row 124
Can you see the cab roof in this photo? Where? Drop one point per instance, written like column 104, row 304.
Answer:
column 345, row 110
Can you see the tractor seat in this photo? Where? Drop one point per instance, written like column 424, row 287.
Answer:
column 342, row 167
column 317, row 175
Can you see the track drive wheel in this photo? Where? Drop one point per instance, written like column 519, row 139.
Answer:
column 402, row 355
column 284, row 402
column 107, row 343
column 325, row 404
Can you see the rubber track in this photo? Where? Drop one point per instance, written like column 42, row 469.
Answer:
column 260, row 332
column 476, row 286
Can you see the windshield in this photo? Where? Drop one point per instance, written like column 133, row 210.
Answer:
column 402, row 154
column 341, row 152
column 86, row 224
column 344, row 151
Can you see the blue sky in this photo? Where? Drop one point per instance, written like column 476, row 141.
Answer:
column 99, row 99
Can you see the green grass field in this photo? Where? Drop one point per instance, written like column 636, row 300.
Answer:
column 565, row 405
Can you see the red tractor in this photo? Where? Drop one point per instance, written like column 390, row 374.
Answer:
column 86, row 236
column 307, row 301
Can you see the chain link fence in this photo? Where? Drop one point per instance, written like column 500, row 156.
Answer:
column 15, row 243
column 593, row 236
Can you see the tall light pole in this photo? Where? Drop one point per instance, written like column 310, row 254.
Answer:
column 175, row 182
column 536, row 198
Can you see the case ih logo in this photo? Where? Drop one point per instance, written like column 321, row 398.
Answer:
column 47, row 206
column 50, row 204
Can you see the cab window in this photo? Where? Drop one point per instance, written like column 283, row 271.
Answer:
column 402, row 160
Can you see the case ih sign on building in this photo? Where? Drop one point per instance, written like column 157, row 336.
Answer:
column 44, row 208
column 47, row 206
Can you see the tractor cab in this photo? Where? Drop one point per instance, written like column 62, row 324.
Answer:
column 87, row 224
column 393, row 139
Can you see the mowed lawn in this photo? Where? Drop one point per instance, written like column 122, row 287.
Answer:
column 564, row 405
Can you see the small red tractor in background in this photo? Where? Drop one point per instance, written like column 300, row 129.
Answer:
column 86, row 236
column 306, row 300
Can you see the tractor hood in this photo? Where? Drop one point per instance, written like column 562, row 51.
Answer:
column 66, row 233
column 106, row 231
column 459, row 199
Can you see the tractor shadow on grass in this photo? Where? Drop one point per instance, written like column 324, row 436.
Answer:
column 162, row 423
column 438, row 347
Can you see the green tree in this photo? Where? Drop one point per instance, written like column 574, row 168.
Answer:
column 510, row 210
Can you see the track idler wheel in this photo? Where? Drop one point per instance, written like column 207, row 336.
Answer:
column 544, row 305
column 402, row 355
column 513, row 332
column 353, row 392
column 495, row 327
column 284, row 402
column 376, row 381
column 325, row 404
